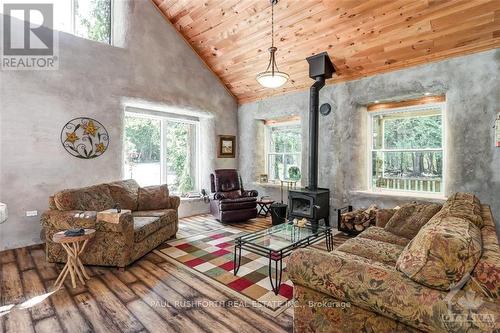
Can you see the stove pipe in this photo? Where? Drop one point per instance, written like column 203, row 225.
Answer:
column 320, row 69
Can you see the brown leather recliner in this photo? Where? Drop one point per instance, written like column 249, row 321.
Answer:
column 229, row 201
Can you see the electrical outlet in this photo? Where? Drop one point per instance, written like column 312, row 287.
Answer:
column 32, row 213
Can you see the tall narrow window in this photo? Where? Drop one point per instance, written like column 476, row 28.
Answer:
column 92, row 19
column 162, row 149
column 143, row 149
column 284, row 145
column 407, row 152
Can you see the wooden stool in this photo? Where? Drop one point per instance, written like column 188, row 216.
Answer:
column 74, row 246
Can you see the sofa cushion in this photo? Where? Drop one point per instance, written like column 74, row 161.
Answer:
column 92, row 198
column 146, row 225
column 153, row 213
column 407, row 221
column 237, row 205
column 380, row 234
column 383, row 216
column 464, row 196
column 153, row 197
column 125, row 193
column 444, row 251
column 375, row 250
column 464, row 205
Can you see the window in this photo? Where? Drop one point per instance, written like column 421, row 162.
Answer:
column 406, row 149
column 162, row 149
column 90, row 19
column 284, row 144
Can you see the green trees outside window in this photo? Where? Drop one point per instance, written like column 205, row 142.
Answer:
column 284, row 152
column 407, row 150
column 92, row 19
column 161, row 150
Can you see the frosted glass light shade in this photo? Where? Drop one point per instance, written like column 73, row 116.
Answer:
column 268, row 80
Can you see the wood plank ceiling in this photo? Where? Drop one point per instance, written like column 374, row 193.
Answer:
column 362, row 37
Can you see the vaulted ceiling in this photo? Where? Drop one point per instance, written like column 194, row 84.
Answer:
column 362, row 37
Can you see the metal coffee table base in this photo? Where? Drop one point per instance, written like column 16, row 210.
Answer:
column 276, row 270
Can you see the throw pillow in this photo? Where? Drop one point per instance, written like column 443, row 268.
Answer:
column 443, row 253
column 153, row 197
column 92, row 198
column 383, row 216
column 407, row 221
column 464, row 205
column 125, row 193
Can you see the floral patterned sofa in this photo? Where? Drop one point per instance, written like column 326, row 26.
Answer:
column 153, row 219
column 439, row 273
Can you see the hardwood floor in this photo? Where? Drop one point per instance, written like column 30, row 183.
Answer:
column 152, row 295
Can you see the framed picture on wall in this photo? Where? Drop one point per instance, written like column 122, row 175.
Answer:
column 263, row 178
column 227, row 146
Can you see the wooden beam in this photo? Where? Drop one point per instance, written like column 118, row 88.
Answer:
column 281, row 120
column 402, row 104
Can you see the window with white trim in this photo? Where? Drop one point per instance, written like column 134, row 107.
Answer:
column 284, row 149
column 162, row 148
column 406, row 148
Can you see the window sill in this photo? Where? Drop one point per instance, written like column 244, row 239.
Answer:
column 267, row 184
column 191, row 199
column 405, row 195
column 275, row 185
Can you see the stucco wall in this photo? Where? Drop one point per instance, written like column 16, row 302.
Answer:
column 151, row 65
column 472, row 88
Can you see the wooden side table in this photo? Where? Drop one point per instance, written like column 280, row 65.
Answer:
column 264, row 207
column 74, row 246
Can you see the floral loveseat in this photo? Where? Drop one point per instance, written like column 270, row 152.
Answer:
column 441, row 276
column 153, row 218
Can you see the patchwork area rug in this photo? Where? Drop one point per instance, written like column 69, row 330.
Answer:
column 210, row 256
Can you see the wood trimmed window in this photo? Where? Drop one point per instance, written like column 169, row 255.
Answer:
column 283, row 148
column 406, row 147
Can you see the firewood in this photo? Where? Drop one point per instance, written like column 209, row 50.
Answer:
column 359, row 219
column 359, row 227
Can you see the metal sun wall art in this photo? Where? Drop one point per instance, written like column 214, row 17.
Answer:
column 84, row 138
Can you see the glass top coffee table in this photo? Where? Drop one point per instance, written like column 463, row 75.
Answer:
column 278, row 242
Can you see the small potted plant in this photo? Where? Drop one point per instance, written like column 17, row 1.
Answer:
column 294, row 173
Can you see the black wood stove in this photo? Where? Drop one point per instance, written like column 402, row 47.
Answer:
column 313, row 202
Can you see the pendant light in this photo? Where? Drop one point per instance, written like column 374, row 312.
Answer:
column 272, row 77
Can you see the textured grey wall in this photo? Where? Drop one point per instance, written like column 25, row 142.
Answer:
column 472, row 88
column 152, row 65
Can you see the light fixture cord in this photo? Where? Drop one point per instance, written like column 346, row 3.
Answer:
column 272, row 36
column 273, row 2
column 272, row 24
column 272, row 50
